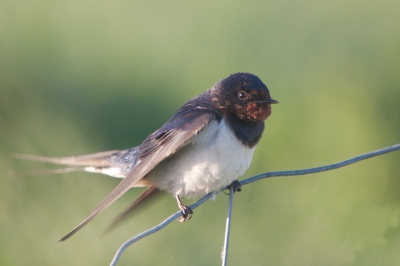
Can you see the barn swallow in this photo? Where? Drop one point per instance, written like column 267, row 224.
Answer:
column 206, row 145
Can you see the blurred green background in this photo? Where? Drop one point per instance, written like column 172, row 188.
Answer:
column 79, row 77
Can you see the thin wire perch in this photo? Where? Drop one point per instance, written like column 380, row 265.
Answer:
column 245, row 182
column 228, row 228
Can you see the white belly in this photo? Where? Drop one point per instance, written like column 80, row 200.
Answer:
column 211, row 161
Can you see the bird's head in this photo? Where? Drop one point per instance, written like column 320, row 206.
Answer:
column 243, row 96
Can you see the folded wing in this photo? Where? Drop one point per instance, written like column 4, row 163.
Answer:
column 158, row 146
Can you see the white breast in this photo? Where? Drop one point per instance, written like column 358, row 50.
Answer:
column 212, row 160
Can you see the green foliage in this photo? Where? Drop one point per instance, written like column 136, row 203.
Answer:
column 81, row 76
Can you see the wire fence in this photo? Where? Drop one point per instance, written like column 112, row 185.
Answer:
column 224, row 255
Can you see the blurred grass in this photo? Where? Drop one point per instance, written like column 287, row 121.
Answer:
column 80, row 77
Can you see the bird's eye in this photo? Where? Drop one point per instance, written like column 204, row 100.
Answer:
column 243, row 95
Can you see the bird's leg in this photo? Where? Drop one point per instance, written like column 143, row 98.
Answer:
column 186, row 210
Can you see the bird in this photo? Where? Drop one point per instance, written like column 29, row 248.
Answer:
column 204, row 147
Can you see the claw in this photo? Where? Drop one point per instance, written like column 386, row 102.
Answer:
column 236, row 187
column 186, row 211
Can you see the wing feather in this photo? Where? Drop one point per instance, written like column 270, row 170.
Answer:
column 148, row 195
column 158, row 146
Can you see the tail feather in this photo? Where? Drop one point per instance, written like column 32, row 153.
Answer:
column 95, row 159
column 46, row 171
column 115, row 163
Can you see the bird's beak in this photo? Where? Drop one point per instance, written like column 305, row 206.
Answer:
column 270, row 101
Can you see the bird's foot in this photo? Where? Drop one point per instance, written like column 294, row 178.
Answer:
column 186, row 211
column 236, row 187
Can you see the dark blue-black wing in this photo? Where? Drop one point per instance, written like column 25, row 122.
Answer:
column 164, row 142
